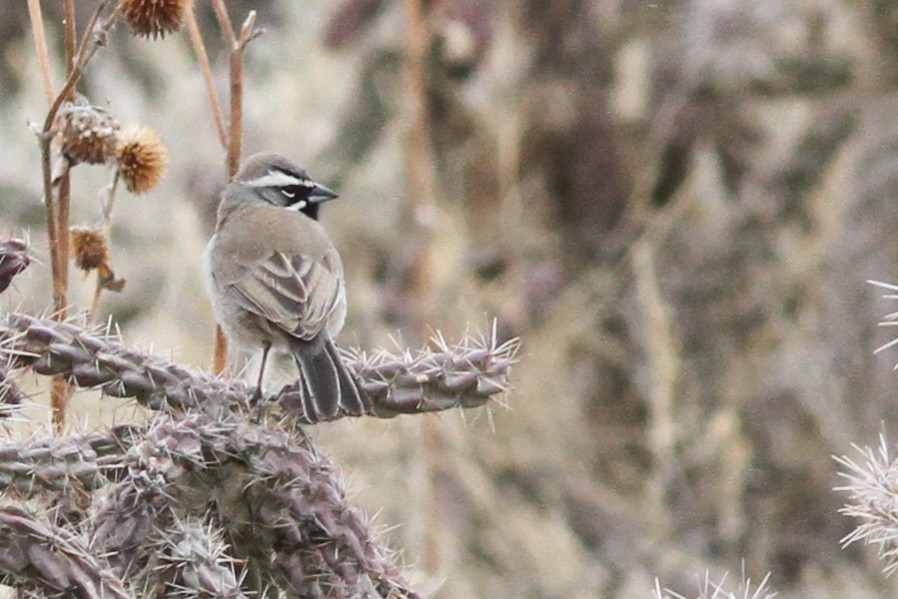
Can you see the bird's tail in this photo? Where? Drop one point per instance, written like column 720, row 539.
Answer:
column 327, row 387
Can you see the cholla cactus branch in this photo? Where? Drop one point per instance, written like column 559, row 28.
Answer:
column 36, row 554
column 321, row 545
column 464, row 375
column 49, row 347
column 57, row 464
column 873, row 499
column 13, row 260
column 277, row 499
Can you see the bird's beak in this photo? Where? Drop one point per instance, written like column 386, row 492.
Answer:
column 320, row 193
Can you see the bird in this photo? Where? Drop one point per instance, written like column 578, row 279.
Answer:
column 275, row 279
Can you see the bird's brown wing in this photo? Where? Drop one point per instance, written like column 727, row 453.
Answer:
column 297, row 294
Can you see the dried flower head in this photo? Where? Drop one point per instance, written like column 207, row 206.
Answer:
column 89, row 248
column 154, row 18
column 141, row 158
column 88, row 133
column 91, row 253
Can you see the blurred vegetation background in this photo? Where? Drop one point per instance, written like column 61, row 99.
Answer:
column 675, row 205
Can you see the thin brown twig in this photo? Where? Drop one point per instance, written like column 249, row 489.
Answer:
column 202, row 56
column 70, row 34
column 57, row 212
column 40, row 46
column 65, row 183
column 60, row 391
column 106, row 223
column 238, row 51
column 224, row 23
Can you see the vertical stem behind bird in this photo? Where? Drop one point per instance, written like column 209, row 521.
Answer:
column 232, row 139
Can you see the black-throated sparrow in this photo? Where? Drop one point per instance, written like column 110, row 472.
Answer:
column 276, row 280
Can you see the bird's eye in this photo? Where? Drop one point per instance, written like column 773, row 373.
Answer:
column 289, row 191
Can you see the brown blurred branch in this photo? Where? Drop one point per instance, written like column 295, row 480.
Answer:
column 422, row 191
column 663, row 356
column 419, row 170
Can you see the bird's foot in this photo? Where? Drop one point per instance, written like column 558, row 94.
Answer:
column 257, row 404
column 256, row 398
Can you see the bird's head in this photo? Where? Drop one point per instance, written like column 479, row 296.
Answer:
column 275, row 180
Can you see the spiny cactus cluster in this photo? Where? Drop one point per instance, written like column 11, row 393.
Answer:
column 872, row 481
column 44, row 560
column 872, row 487
column 184, row 485
column 721, row 590
column 208, row 499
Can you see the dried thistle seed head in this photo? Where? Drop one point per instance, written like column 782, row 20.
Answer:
column 89, row 248
column 154, row 18
column 141, row 158
column 88, row 133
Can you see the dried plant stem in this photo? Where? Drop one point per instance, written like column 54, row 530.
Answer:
column 70, row 34
column 224, row 23
column 237, row 50
column 202, row 56
column 220, row 350
column 40, row 46
column 57, row 206
column 60, row 391
column 106, row 223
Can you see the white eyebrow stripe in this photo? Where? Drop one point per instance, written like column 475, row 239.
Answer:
column 278, row 179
